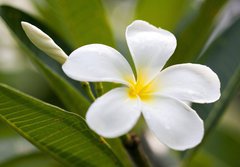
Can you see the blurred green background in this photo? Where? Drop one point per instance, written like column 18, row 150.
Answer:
column 207, row 31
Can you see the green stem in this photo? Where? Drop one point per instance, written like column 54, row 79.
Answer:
column 86, row 87
column 98, row 88
column 132, row 145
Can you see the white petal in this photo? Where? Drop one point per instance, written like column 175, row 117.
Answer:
column 187, row 103
column 113, row 114
column 173, row 122
column 97, row 62
column 189, row 82
column 150, row 47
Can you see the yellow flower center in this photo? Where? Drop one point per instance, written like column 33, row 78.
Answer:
column 141, row 89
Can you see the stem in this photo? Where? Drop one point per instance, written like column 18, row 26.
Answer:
column 87, row 89
column 132, row 144
column 98, row 88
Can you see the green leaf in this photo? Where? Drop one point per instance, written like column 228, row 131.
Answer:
column 34, row 159
column 223, row 57
column 70, row 96
column 194, row 36
column 79, row 22
column 165, row 14
column 63, row 135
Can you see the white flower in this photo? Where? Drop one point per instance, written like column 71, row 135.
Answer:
column 159, row 95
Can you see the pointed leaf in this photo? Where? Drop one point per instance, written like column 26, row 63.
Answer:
column 63, row 135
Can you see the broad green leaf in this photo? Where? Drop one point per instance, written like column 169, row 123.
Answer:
column 61, row 134
column 79, row 22
column 223, row 57
column 165, row 14
column 192, row 38
column 70, row 96
column 34, row 159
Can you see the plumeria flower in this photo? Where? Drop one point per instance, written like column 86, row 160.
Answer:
column 160, row 95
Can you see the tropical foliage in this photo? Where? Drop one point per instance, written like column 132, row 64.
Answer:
column 54, row 122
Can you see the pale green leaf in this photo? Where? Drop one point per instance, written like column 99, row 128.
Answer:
column 165, row 14
column 78, row 22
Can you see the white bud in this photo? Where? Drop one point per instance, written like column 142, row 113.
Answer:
column 44, row 42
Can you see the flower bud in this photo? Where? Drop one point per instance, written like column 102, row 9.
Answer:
column 44, row 42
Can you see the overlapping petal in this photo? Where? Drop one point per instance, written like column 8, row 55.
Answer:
column 97, row 62
column 188, row 82
column 114, row 113
column 173, row 122
column 150, row 47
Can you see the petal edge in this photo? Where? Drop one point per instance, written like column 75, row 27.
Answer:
column 150, row 47
column 113, row 114
column 189, row 82
column 173, row 122
column 98, row 63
